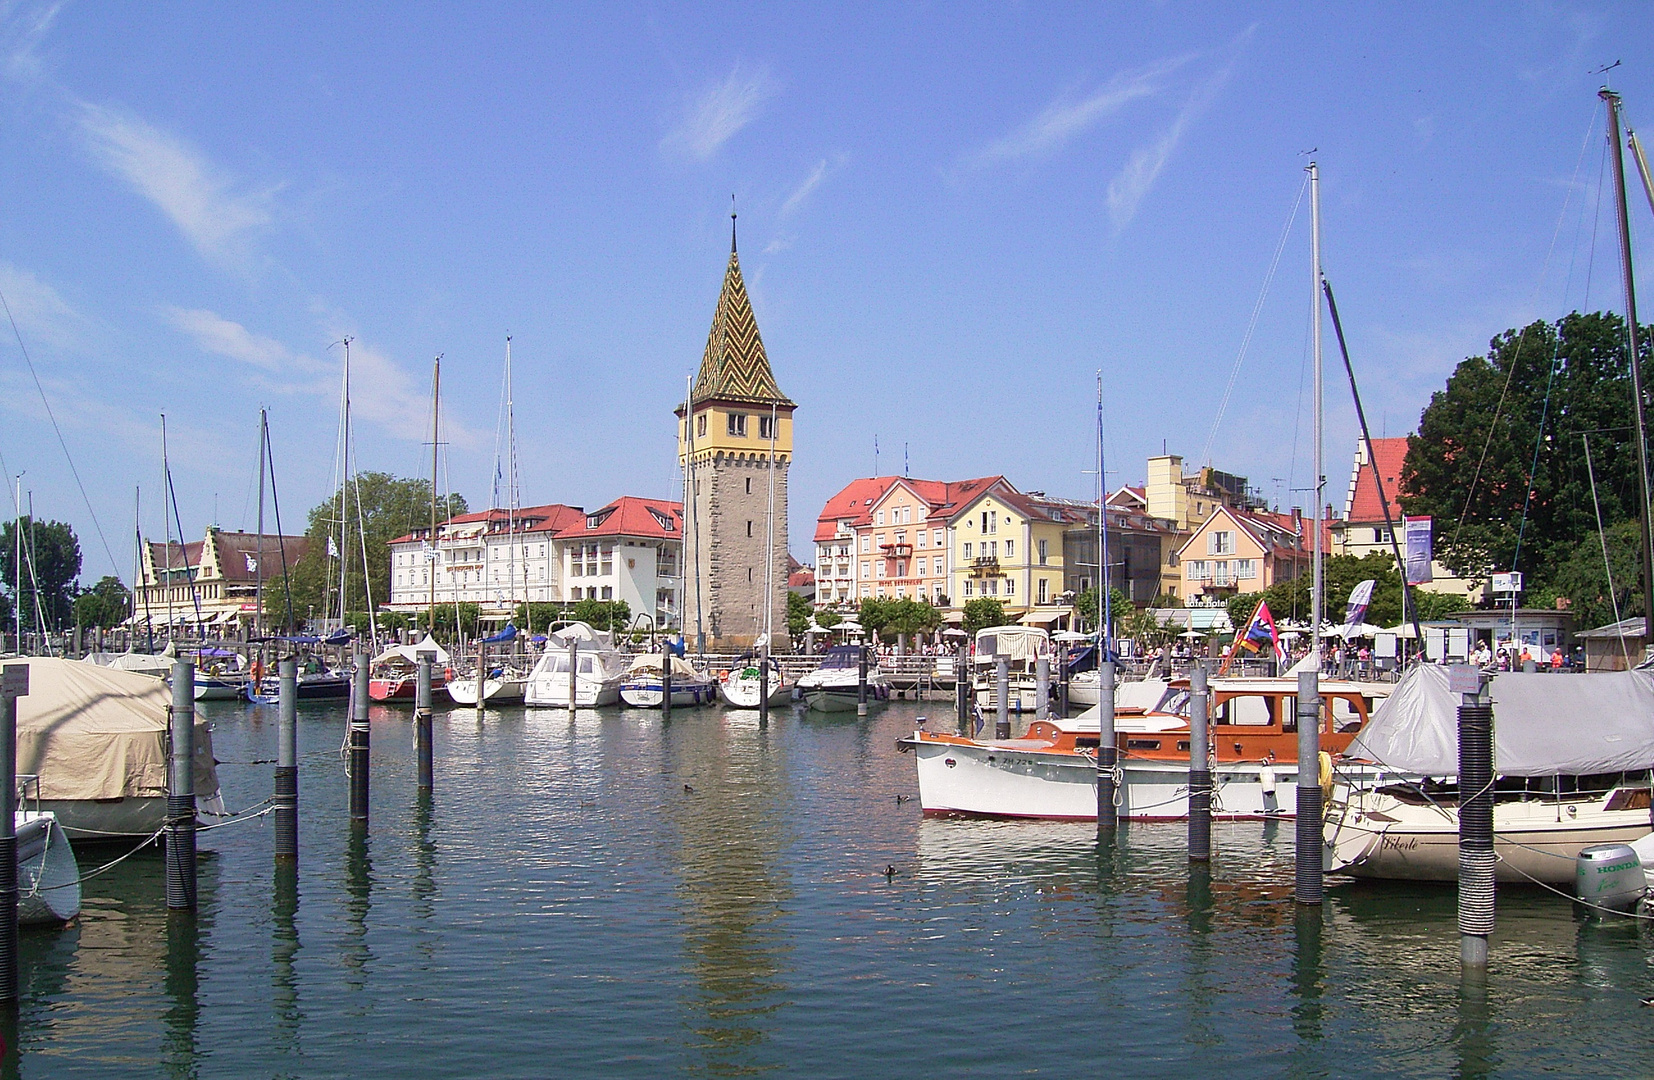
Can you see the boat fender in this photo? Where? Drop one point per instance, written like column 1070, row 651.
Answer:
column 1324, row 772
column 1266, row 778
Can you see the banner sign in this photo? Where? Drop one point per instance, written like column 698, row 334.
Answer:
column 1360, row 596
column 1418, row 550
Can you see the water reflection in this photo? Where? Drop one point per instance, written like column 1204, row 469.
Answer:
column 183, row 982
column 284, row 949
column 730, row 822
column 1307, row 1007
column 356, row 954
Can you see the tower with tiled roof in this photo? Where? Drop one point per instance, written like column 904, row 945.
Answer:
column 735, row 434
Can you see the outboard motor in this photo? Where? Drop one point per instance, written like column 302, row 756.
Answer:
column 1609, row 876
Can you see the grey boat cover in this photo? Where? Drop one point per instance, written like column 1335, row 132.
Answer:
column 1543, row 724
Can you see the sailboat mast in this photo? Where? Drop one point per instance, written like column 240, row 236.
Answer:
column 166, row 518
column 511, row 488
column 1320, row 478
column 17, row 563
column 258, row 560
column 1631, row 329
column 436, row 414
column 769, row 549
column 690, row 515
column 344, row 485
column 1104, row 606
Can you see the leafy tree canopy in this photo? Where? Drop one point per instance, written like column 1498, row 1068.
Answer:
column 982, row 613
column 891, row 616
column 51, row 563
column 799, row 611
column 1120, row 605
column 105, row 604
column 1528, row 406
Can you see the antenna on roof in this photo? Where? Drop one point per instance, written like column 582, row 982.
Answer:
column 732, row 223
column 905, row 470
column 875, row 453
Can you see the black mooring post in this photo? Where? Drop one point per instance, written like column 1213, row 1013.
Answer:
column 962, row 691
column 665, row 682
column 1476, row 857
column 359, row 741
column 1108, row 750
column 1200, row 769
column 1002, row 686
column 286, row 800
column 1310, row 858
column 422, row 720
column 15, row 684
column 764, row 690
column 180, row 826
column 861, row 684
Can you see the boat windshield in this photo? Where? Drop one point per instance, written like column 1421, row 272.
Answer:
column 1174, row 701
column 842, row 656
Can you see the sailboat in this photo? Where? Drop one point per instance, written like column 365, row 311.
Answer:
column 1051, row 772
column 1573, row 755
column 505, row 684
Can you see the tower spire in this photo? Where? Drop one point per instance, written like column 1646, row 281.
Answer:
column 732, row 223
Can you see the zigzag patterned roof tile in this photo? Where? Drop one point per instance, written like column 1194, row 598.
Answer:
column 735, row 367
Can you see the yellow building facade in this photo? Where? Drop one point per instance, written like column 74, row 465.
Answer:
column 1004, row 548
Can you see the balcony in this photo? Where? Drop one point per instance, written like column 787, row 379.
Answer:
column 986, row 566
column 896, row 551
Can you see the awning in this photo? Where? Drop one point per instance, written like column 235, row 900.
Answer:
column 1043, row 616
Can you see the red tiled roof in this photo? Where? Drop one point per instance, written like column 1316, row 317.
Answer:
column 799, row 579
column 630, row 516
column 1364, row 504
column 549, row 517
column 853, row 503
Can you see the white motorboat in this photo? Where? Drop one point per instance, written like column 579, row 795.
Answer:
column 1572, row 755
column 1051, row 772
column 48, row 877
column 643, row 687
column 835, row 686
column 598, row 670
column 1021, row 647
column 502, row 686
column 742, row 687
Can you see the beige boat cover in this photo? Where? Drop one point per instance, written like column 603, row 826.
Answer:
column 650, row 663
column 94, row 732
column 1019, row 644
column 410, row 654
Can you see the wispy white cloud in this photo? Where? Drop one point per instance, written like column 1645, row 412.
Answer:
column 41, row 312
column 203, row 201
column 23, row 26
column 1069, row 116
column 393, row 400
column 806, row 189
column 716, row 114
column 1133, row 182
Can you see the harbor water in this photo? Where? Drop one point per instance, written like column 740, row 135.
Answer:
column 609, row 895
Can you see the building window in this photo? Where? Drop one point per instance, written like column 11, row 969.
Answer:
column 936, row 538
column 866, row 545
column 749, row 533
column 1010, row 586
column 881, row 568
column 967, row 586
column 749, row 485
column 1044, row 552
column 1381, row 536
column 864, row 569
column 1044, row 590
column 700, row 426
column 1010, row 548
column 738, row 424
column 922, row 537
column 1221, row 542
column 967, row 549
column 608, row 592
column 766, row 430
column 878, row 517
column 1246, row 569
column 1196, row 570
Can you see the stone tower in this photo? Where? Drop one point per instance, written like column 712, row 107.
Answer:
column 735, row 434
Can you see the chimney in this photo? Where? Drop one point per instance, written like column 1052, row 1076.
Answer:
column 1297, row 521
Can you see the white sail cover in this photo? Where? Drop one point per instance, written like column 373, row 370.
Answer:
column 1543, row 724
column 411, row 653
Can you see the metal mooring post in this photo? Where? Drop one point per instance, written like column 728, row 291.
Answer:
column 1042, row 687
column 665, row 681
column 422, row 720
column 1200, row 768
column 962, row 690
column 180, row 827
column 1310, row 857
column 14, row 683
column 764, row 687
column 1002, row 686
column 286, row 800
column 359, row 741
column 861, row 683
column 1108, row 750
column 1476, row 858
column 574, row 682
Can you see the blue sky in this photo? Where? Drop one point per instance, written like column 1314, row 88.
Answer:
column 952, row 216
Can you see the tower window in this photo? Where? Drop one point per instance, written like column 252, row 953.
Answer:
column 749, row 528
column 749, row 485
column 738, row 424
column 766, row 428
column 700, row 426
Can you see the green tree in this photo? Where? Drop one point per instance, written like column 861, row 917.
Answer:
column 892, row 616
column 1341, row 574
column 389, row 507
column 51, row 562
column 104, row 605
column 1581, row 580
column 1527, row 406
column 1120, row 605
column 983, row 612
column 799, row 611
column 449, row 621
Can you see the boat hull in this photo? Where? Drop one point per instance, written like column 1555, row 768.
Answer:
column 1017, row 778
column 48, row 877
column 217, row 689
column 318, row 688
column 1535, row 840
column 647, row 693
column 845, row 699
column 552, row 692
column 403, row 688
column 501, row 691
column 744, row 693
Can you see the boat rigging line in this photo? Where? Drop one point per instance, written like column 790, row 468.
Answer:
column 1607, row 566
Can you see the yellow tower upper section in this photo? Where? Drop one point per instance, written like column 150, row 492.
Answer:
column 735, row 399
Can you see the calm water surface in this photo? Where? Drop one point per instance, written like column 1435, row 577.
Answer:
column 614, row 896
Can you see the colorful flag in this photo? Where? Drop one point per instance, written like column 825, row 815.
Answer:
column 1418, row 550
column 1261, row 631
column 1360, row 596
